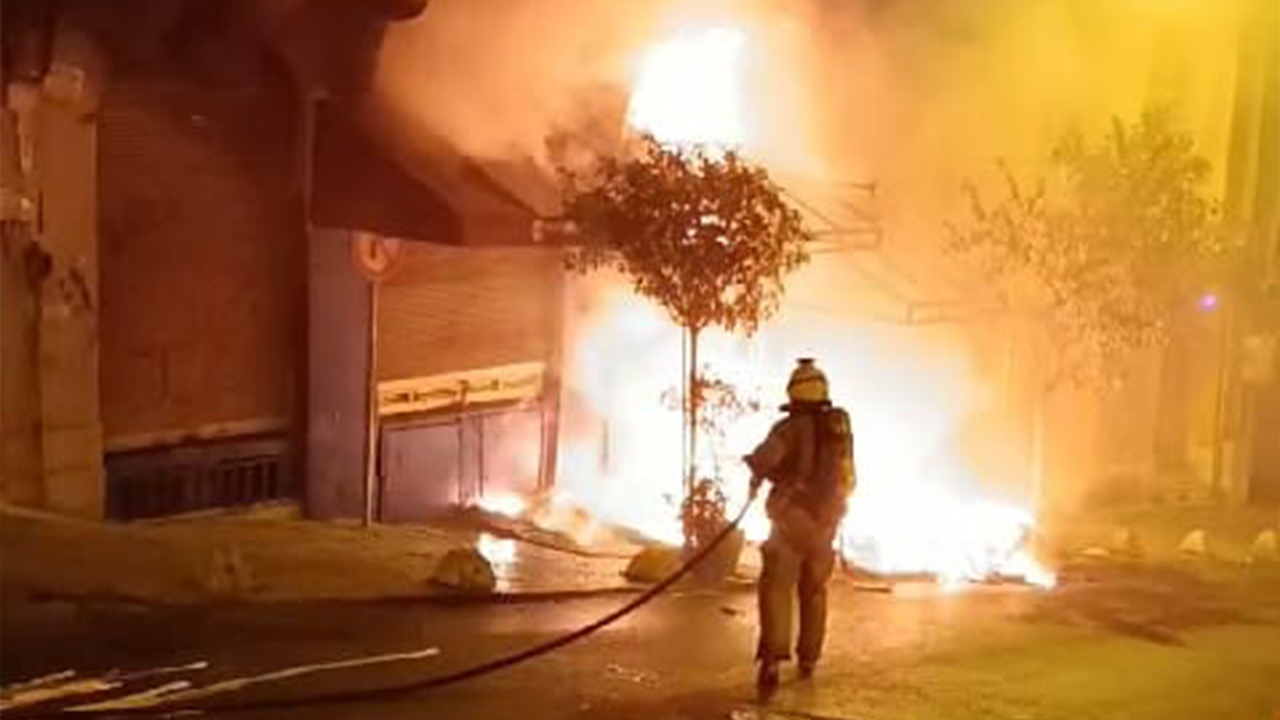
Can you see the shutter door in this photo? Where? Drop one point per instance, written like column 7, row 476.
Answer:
column 202, row 259
column 450, row 309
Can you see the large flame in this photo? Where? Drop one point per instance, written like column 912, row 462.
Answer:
column 920, row 506
column 689, row 89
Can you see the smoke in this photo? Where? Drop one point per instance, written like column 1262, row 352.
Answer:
column 498, row 77
column 915, row 95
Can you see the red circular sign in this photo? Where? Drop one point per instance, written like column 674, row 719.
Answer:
column 377, row 257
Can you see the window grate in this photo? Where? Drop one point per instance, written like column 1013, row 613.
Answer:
column 188, row 478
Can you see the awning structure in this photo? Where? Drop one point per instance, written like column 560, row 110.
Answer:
column 913, row 288
column 431, row 192
column 437, row 196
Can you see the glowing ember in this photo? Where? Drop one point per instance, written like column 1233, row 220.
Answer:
column 690, row 89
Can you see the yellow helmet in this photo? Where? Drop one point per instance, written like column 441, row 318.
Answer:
column 807, row 383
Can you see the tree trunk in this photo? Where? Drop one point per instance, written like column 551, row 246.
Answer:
column 691, row 414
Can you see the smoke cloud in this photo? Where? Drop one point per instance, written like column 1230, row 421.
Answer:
column 914, row 95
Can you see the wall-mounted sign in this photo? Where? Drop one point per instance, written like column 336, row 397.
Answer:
column 506, row 383
column 376, row 257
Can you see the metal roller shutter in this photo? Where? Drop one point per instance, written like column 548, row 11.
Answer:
column 202, row 260
column 451, row 309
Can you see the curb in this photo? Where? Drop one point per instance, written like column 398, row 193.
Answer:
column 441, row 598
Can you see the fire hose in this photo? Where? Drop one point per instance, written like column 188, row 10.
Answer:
column 352, row 697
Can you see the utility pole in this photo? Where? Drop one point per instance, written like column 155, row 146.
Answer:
column 371, row 446
column 377, row 258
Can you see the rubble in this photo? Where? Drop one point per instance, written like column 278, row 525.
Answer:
column 1195, row 544
column 1265, row 547
column 652, row 564
column 465, row 569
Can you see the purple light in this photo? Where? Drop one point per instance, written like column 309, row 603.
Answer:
column 1208, row 301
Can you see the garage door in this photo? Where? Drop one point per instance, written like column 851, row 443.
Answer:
column 430, row 467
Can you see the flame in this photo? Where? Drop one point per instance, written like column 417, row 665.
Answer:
column 690, row 88
column 503, row 503
column 740, row 82
column 919, row 507
column 502, row 554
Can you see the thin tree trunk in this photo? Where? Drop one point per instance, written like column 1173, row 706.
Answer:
column 684, row 407
column 695, row 399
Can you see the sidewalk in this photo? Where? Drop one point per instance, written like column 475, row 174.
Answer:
column 250, row 558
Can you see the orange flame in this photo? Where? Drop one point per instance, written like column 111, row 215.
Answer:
column 920, row 506
column 689, row 89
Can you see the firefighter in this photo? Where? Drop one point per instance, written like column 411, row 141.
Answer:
column 808, row 460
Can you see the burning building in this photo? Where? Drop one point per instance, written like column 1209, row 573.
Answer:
column 475, row 370
column 959, row 448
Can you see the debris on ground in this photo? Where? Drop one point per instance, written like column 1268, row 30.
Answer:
column 652, row 564
column 1195, row 543
column 464, row 569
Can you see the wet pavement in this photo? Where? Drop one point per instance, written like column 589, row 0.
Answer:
column 692, row 648
column 525, row 568
column 921, row 654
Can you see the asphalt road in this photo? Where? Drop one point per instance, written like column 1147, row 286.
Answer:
column 689, row 653
column 980, row 654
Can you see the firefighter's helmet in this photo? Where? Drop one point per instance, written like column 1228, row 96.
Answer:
column 807, row 384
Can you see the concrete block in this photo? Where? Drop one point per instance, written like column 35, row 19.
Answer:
column 652, row 564
column 1195, row 543
column 464, row 569
column 1266, row 547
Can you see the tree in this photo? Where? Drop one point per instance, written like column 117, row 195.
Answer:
column 1107, row 247
column 720, row 405
column 706, row 235
column 1118, row 238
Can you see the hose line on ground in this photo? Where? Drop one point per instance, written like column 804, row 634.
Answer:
column 350, row 697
